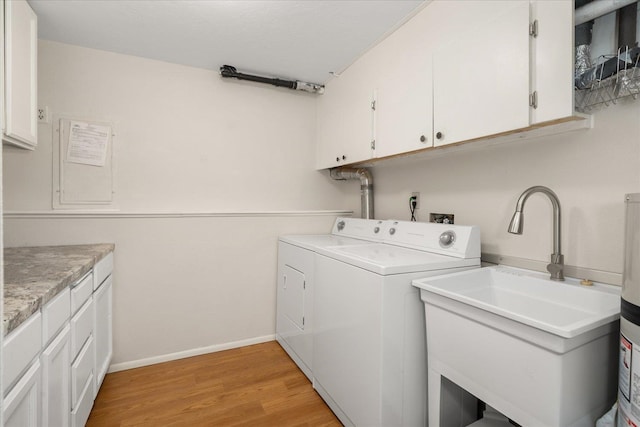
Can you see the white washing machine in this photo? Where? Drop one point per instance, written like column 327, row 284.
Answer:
column 369, row 346
column 296, row 266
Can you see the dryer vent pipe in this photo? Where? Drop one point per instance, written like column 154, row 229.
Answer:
column 366, row 187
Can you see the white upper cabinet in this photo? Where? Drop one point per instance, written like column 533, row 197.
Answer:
column 552, row 60
column 345, row 123
column 481, row 78
column 404, row 92
column 20, row 123
column 458, row 71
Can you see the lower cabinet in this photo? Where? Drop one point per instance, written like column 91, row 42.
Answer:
column 55, row 381
column 21, row 407
column 54, row 363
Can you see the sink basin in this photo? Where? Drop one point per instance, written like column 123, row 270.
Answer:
column 543, row 353
column 566, row 309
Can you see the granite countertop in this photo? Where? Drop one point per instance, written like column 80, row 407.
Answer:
column 34, row 275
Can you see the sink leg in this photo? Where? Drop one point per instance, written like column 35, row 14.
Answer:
column 435, row 384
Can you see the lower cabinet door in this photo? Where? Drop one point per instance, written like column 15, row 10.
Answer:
column 21, row 407
column 81, row 370
column 82, row 384
column 80, row 413
column 103, row 300
column 56, row 381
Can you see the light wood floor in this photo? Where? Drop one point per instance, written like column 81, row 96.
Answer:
column 257, row 385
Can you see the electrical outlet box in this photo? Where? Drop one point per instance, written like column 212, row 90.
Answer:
column 417, row 196
column 441, row 218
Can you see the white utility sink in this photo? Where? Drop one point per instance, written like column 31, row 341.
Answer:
column 542, row 352
column 566, row 309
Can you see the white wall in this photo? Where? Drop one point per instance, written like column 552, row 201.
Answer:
column 182, row 283
column 590, row 171
column 185, row 138
column 187, row 141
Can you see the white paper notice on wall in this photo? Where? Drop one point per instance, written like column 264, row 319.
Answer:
column 83, row 164
column 88, row 143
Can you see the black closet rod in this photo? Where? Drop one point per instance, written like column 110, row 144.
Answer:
column 231, row 72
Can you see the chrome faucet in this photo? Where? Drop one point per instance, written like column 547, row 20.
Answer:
column 556, row 267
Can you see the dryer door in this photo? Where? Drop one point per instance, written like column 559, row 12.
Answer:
column 293, row 284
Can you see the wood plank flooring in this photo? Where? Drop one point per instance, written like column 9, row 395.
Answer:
column 257, row 385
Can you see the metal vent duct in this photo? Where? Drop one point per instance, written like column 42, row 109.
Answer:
column 366, row 187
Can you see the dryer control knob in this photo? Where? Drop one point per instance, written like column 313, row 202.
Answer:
column 447, row 238
column 341, row 225
column 392, row 231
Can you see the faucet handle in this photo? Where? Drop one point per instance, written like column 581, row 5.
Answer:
column 556, row 267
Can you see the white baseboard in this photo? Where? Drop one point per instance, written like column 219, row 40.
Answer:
column 188, row 353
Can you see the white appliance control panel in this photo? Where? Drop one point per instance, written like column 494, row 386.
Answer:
column 359, row 228
column 462, row 241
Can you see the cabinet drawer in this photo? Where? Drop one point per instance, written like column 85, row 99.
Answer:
column 19, row 349
column 102, row 270
column 81, row 372
column 54, row 315
column 80, row 414
column 81, row 327
column 81, row 291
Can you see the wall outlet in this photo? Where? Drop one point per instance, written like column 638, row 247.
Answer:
column 441, row 218
column 417, row 196
column 43, row 114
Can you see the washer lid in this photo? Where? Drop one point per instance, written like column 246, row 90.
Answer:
column 313, row 242
column 387, row 259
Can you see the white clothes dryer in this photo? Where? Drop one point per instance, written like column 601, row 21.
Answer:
column 369, row 342
column 296, row 267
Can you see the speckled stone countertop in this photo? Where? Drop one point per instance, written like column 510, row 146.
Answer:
column 34, row 275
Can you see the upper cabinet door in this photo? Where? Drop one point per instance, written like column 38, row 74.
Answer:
column 404, row 102
column 345, row 123
column 481, row 79
column 552, row 60
column 20, row 67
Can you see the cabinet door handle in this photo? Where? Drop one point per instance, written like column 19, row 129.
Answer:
column 423, row 138
column 439, row 135
column 337, row 159
column 344, row 157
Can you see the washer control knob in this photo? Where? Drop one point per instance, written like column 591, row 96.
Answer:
column 376, row 230
column 341, row 225
column 447, row 238
column 392, row 231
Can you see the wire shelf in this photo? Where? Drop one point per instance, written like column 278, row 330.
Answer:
column 603, row 92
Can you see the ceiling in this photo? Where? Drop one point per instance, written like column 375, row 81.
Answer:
column 295, row 39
